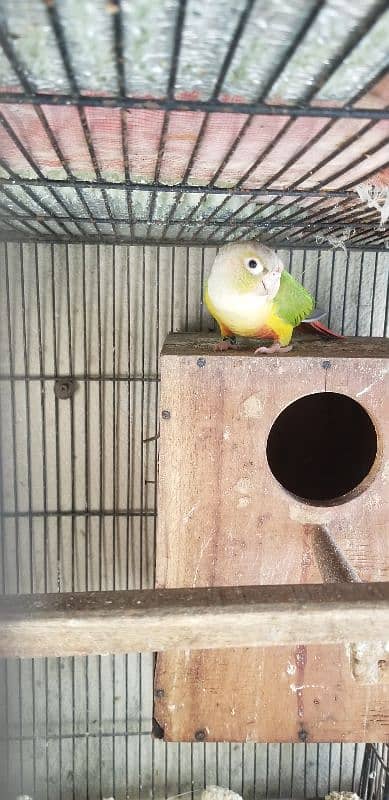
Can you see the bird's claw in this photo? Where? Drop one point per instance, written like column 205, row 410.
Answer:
column 274, row 348
column 225, row 345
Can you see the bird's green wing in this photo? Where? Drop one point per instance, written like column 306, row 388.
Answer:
column 292, row 302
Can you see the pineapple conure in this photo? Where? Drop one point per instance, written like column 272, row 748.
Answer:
column 250, row 294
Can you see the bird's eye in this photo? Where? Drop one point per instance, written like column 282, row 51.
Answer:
column 252, row 263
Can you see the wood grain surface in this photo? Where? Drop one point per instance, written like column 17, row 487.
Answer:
column 225, row 520
column 96, row 623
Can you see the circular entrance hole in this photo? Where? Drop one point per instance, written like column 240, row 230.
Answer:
column 321, row 447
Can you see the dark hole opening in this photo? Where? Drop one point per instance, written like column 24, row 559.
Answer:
column 322, row 446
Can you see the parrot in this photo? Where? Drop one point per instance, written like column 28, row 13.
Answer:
column 250, row 294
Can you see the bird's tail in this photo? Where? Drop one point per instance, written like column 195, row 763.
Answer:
column 320, row 328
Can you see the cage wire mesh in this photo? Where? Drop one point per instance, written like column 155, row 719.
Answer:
column 78, row 498
column 126, row 126
column 183, row 121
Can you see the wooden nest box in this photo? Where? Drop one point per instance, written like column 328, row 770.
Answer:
column 274, row 470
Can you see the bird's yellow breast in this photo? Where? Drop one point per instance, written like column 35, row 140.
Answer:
column 242, row 314
column 247, row 314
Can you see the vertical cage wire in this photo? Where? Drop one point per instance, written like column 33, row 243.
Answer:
column 374, row 780
column 78, row 497
column 78, row 473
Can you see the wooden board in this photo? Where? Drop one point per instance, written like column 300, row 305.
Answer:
column 96, row 623
column 224, row 520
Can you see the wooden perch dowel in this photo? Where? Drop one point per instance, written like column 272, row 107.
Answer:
column 90, row 623
column 332, row 562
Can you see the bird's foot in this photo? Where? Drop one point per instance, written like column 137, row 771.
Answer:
column 227, row 343
column 276, row 347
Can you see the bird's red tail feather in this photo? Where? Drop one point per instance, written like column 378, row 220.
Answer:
column 320, row 328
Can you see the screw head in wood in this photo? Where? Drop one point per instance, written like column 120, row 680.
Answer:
column 166, row 414
column 64, row 388
column 200, row 735
column 201, row 362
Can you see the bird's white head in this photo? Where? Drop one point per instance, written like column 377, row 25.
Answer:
column 248, row 267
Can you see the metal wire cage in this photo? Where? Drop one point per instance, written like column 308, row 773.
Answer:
column 80, row 332
column 374, row 780
column 127, row 126
column 184, row 121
